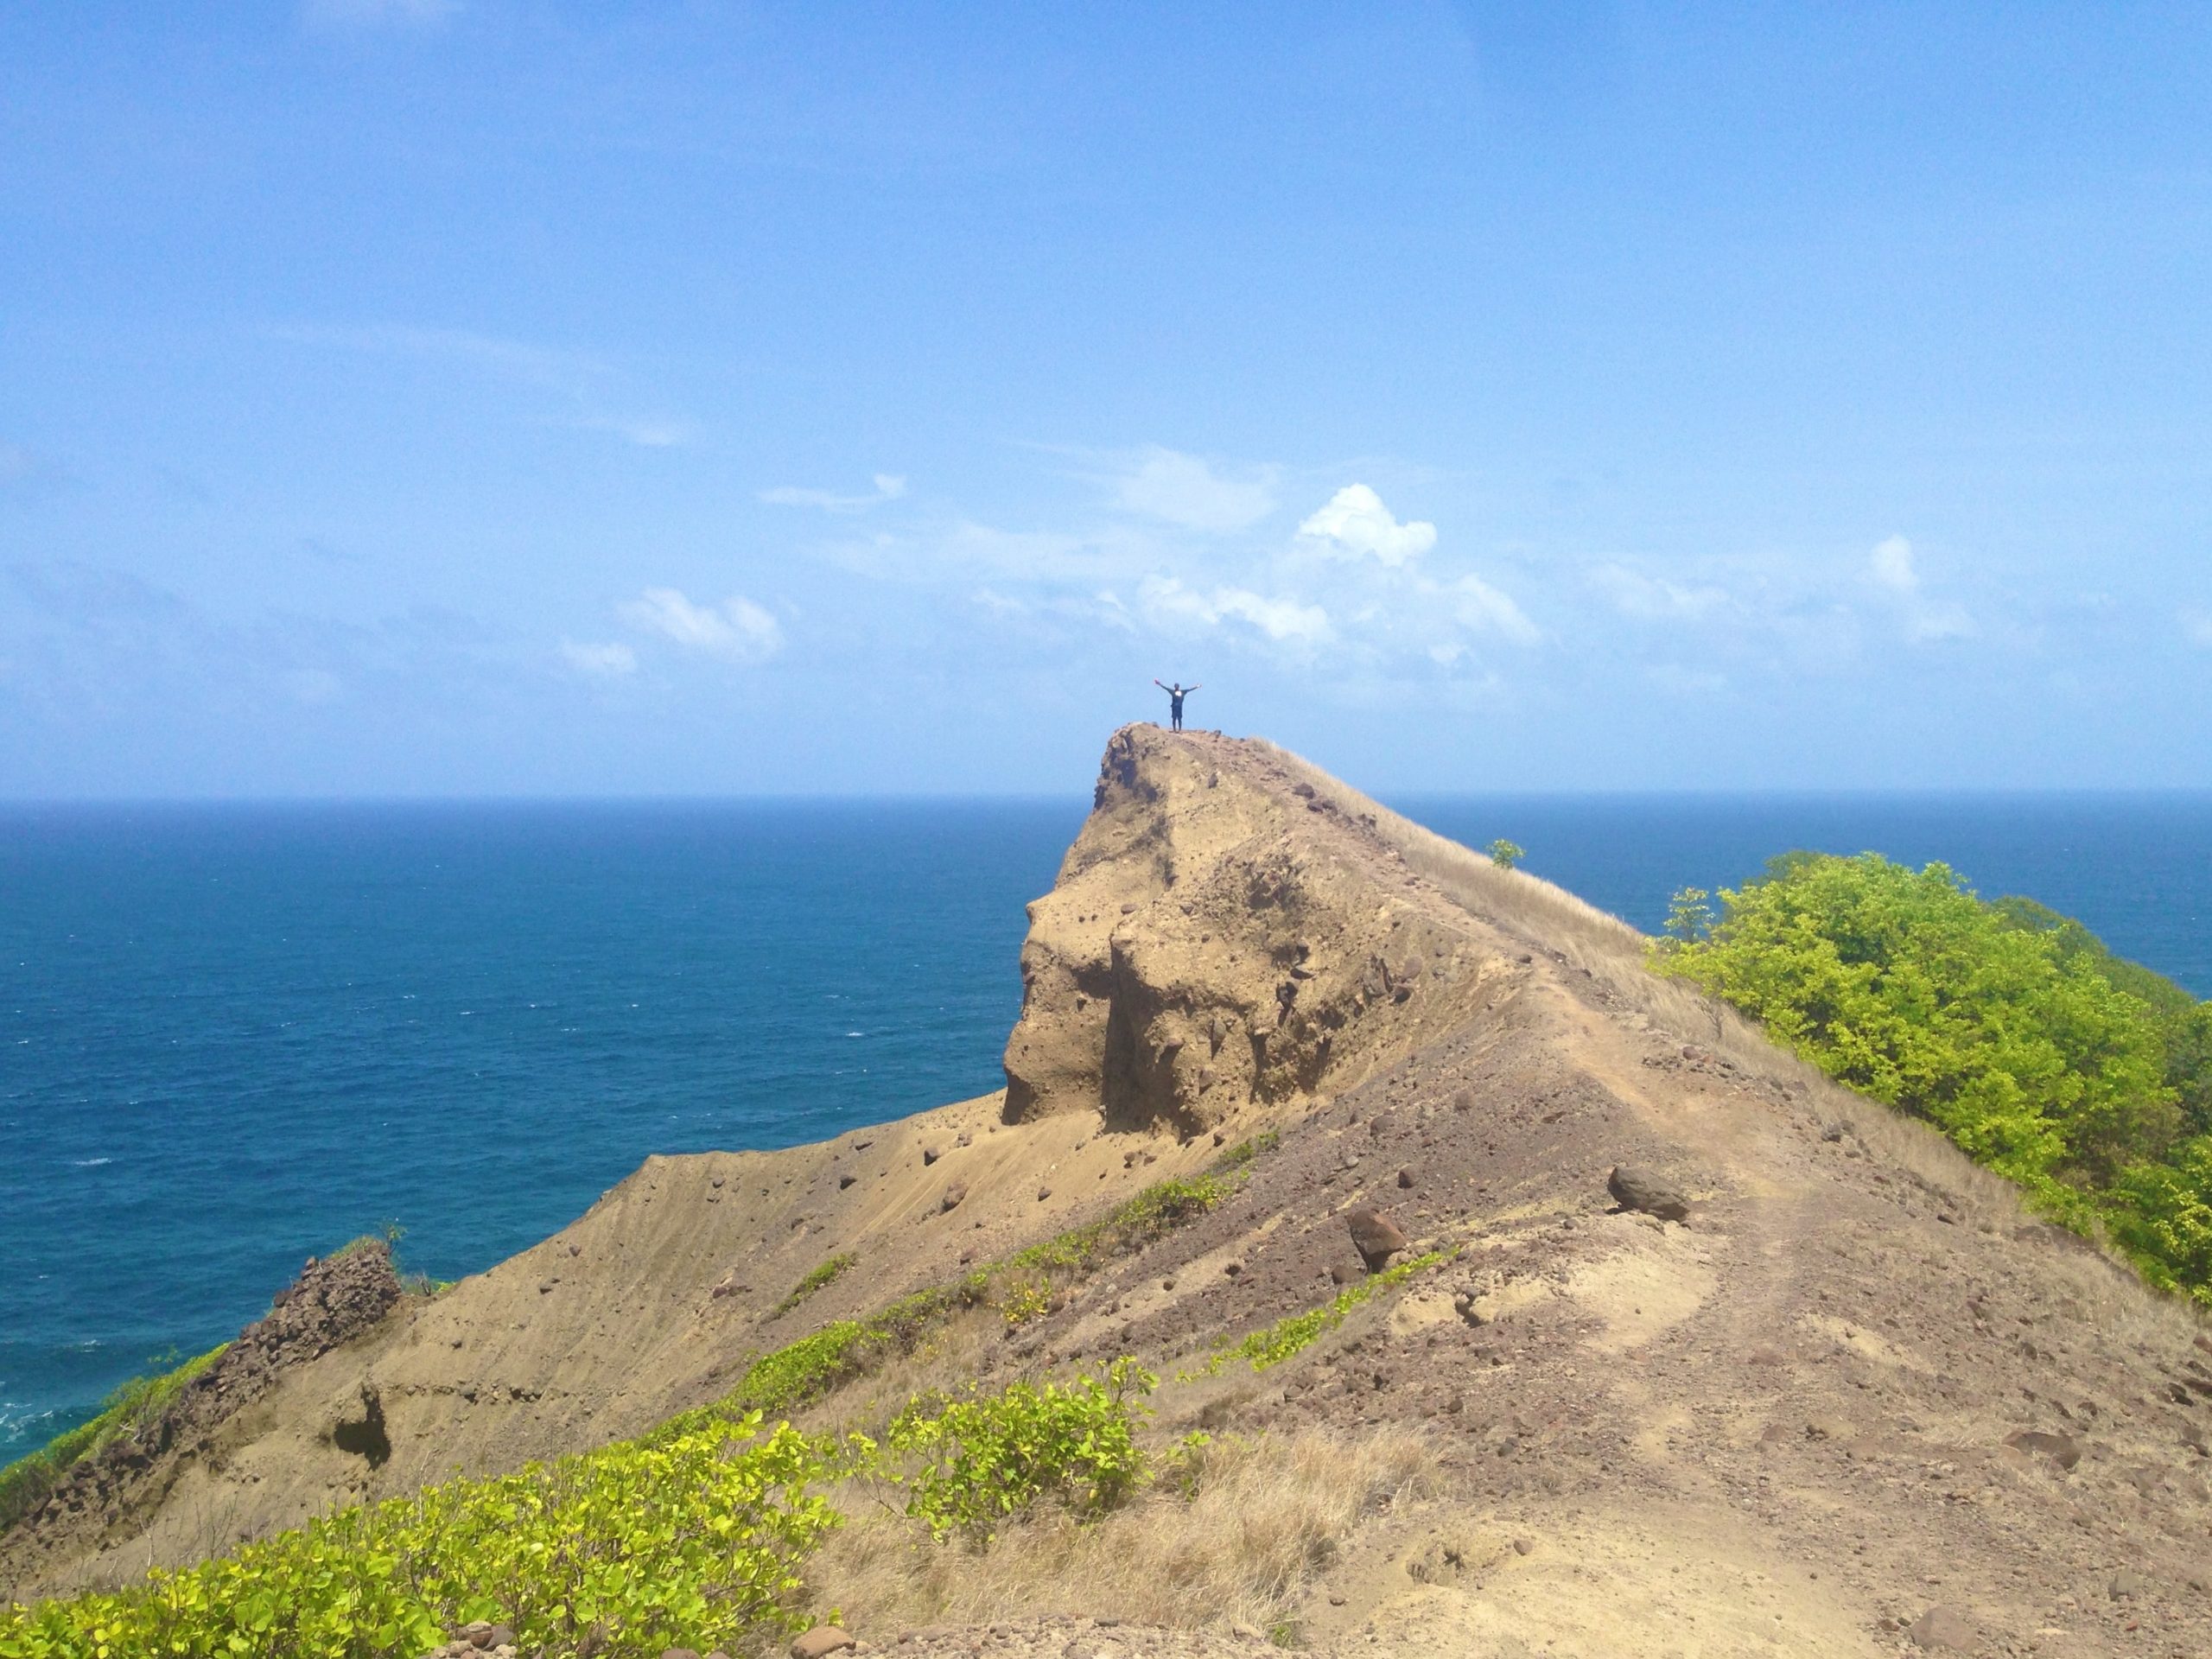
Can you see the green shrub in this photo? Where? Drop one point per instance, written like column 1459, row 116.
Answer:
column 987, row 1456
column 692, row 1539
column 1506, row 854
column 2086, row 1079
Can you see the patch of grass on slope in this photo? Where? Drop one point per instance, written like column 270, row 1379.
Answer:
column 1292, row 1334
column 2086, row 1079
column 827, row 1274
column 25, row 1483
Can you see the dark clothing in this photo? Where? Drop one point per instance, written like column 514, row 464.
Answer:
column 1175, row 709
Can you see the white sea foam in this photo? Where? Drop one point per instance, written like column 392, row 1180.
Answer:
column 90, row 1163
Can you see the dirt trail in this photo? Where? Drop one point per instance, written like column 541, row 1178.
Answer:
column 1791, row 1424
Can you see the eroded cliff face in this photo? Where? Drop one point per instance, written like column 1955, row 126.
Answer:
column 1223, row 936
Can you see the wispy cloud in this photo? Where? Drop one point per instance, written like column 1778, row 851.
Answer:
column 1355, row 524
column 583, row 384
column 545, row 365
column 737, row 629
column 889, row 487
column 1165, row 599
column 1895, row 569
column 1192, row 493
column 1483, row 610
column 612, row 660
column 1648, row 598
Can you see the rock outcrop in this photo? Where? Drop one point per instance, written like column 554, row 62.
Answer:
column 1220, row 936
column 332, row 1301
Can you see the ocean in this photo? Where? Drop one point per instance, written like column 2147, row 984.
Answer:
column 231, row 1036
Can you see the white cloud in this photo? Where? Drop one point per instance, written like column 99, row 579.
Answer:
column 1654, row 598
column 1165, row 599
column 1184, row 490
column 1354, row 521
column 2196, row 628
column 1482, row 607
column 610, row 661
column 889, row 487
column 1892, row 565
column 737, row 629
column 376, row 14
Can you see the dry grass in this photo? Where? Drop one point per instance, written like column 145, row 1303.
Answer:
column 1264, row 1516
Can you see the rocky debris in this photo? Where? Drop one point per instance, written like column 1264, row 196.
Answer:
column 1637, row 1188
column 481, row 1640
column 1059, row 1636
column 2061, row 1449
column 953, row 1195
column 1941, row 1630
column 2127, row 1585
column 334, row 1300
column 821, row 1640
column 1376, row 1236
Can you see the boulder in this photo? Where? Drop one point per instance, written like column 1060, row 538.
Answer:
column 822, row 1639
column 1638, row 1189
column 2061, row 1449
column 1375, row 1236
column 1941, row 1630
column 953, row 1194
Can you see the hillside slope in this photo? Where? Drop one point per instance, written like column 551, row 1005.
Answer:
column 1856, row 1403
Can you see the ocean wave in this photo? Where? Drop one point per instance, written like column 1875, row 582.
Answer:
column 89, row 1163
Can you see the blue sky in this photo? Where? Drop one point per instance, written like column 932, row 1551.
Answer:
column 409, row 397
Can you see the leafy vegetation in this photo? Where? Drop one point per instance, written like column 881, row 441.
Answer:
column 986, row 1456
column 623, row 1552
column 1506, row 854
column 695, row 1534
column 1294, row 1332
column 2085, row 1079
column 827, row 1274
column 1245, row 1151
column 25, row 1483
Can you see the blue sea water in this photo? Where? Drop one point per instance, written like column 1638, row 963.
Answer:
column 234, row 1036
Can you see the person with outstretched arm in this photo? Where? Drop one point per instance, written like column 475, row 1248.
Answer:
column 1176, row 693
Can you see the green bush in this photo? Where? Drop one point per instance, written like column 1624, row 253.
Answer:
column 2086, row 1079
column 1506, row 854
column 692, row 1539
column 987, row 1456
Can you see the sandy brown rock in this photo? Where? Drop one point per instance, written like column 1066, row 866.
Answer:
column 1636, row 1188
column 1376, row 1236
column 1211, row 943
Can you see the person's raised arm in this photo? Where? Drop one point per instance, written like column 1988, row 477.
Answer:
column 1188, row 689
column 1161, row 686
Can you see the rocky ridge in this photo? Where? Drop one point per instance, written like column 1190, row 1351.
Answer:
column 1719, row 1360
